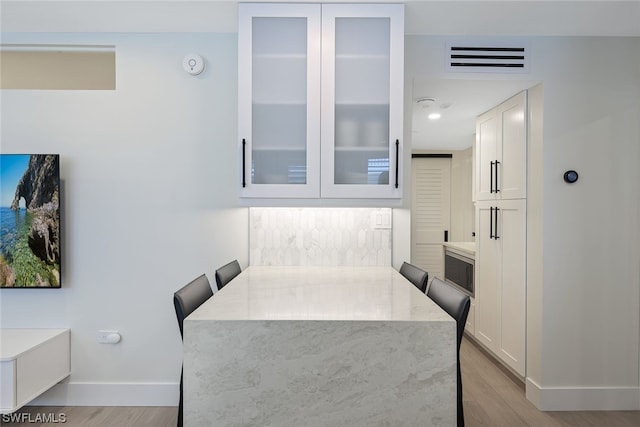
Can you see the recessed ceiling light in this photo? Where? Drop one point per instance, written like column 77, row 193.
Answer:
column 434, row 116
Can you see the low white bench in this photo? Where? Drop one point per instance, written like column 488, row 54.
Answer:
column 31, row 362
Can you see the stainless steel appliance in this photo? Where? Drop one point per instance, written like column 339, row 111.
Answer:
column 458, row 270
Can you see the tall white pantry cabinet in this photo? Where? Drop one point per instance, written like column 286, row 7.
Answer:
column 500, row 289
column 320, row 100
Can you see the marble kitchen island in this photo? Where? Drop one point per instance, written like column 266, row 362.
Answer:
column 319, row 346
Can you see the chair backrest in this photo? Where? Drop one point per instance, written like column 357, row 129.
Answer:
column 227, row 272
column 415, row 275
column 453, row 301
column 190, row 297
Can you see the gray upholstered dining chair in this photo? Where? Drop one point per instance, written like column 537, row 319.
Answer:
column 415, row 275
column 456, row 304
column 185, row 301
column 227, row 272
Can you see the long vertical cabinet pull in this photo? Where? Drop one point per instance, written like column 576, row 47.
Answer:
column 244, row 161
column 397, row 158
column 491, row 178
column 496, row 174
column 491, row 223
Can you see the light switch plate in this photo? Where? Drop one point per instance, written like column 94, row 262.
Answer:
column 381, row 220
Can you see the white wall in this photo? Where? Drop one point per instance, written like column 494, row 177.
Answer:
column 535, row 200
column 584, row 313
column 149, row 202
column 591, row 230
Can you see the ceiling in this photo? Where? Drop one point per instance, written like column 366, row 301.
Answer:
column 466, row 98
column 459, row 102
column 425, row 17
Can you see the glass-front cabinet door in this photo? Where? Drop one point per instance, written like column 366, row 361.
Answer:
column 320, row 90
column 279, row 99
column 362, row 100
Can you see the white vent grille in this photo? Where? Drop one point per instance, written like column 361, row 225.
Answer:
column 487, row 59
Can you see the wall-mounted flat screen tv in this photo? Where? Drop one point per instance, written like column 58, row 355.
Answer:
column 30, row 221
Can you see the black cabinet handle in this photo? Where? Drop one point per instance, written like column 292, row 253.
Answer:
column 446, row 235
column 495, row 234
column 244, row 162
column 491, row 223
column 491, row 178
column 497, row 189
column 397, row 155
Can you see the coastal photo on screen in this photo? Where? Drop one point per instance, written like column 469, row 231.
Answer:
column 29, row 220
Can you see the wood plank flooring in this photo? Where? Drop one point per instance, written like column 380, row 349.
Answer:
column 492, row 398
column 97, row 416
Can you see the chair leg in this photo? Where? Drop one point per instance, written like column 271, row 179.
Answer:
column 459, row 398
column 180, row 403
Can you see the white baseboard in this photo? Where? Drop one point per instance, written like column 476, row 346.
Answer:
column 110, row 394
column 166, row 394
column 583, row 398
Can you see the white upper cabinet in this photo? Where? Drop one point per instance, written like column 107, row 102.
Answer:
column 362, row 100
column 501, row 151
column 321, row 100
column 279, row 99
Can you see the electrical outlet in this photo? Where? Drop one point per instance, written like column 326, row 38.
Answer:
column 108, row 337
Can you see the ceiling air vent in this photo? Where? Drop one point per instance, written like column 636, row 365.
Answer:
column 487, row 59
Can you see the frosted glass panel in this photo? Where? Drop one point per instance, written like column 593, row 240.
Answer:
column 279, row 101
column 362, row 101
column 362, row 60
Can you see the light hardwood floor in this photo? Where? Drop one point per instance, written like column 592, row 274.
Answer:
column 492, row 398
column 97, row 416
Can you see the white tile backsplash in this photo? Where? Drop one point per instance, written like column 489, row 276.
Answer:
column 320, row 236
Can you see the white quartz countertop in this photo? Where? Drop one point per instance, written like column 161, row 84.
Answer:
column 468, row 248
column 320, row 293
column 319, row 346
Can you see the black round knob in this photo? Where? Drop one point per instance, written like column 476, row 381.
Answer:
column 570, row 176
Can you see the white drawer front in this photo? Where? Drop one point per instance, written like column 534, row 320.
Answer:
column 41, row 368
column 7, row 386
